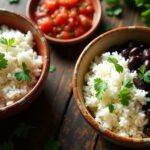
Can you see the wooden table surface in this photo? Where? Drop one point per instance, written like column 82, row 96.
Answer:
column 54, row 120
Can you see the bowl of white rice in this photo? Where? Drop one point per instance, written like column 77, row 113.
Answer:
column 24, row 63
column 105, row 90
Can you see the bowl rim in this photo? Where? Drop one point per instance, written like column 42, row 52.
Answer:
column 84, row 111
column 45, row 68
column 73, row 40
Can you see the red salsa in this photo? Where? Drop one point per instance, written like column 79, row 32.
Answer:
column 64, row 19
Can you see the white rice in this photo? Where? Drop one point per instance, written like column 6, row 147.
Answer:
column 10, row 88
column 127, row 121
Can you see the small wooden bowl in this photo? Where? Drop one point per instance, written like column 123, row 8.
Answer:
column 31, row 8
column 98, row 46
column 15, row 21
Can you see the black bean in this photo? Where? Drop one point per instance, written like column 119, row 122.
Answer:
column 146, row 54
column 147, row 130
column 140, row 84
column 125, row 53
column 134, row 62
column 134, row 51
column 147, row 64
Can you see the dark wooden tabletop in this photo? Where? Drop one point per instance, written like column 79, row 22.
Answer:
column 54, row 121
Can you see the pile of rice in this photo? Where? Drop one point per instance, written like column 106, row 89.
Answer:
column 10, row 88
column 126, row 121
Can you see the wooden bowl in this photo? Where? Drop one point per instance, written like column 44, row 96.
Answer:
column 19, row 22
column 95, row 48
column 31, row 8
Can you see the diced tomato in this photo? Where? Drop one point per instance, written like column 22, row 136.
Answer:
column 65, row 19
column 78, row 31
column 67, row 28
column 68, row 3
column 73, row 13
column 85, row 22
column 71, row 22
column 61, row 17
column 86, row 8
column 51, row 5
column 41, row 11
column 45, row 24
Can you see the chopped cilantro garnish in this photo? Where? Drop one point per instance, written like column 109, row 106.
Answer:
column 24, row 75
column 143, row 74
column 127, row 83
column 114, row 11
column 114, row 61
column 125, row 94
column 3, row 61
column 111, row 107
column 7, row 42
column 100, row 87
column 52, row 69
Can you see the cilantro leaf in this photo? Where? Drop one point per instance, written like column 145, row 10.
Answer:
column 52, row 145
column 114, row 11
column 3, row 61
column 127, row 83
column 7, row 146
column 100, row 87
column 145, row 17
column 111, row 107
column 147, row 77
column 124, row 96
column 114, row 61
column 119, row 68
column 124, row 93
column 52, row 69
column 24, row 75
column 7, row 42
column 143, row 74
column 22, row 131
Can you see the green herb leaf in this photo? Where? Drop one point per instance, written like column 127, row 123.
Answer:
column 147, row 77
column 143, row 74
column 119, row 68
column 22, row 131
column 145, row 17
column 124, row 96
column 100, row 87
column 52, row 145
column 13, row 1
column 111, row 107
column 128, row 83
column 114, row 11
column 7, row 42
column 3, row 61
column 52, row 69
column 24, row 75
column 114, row 61
column 7, row 146
column 140, row 3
